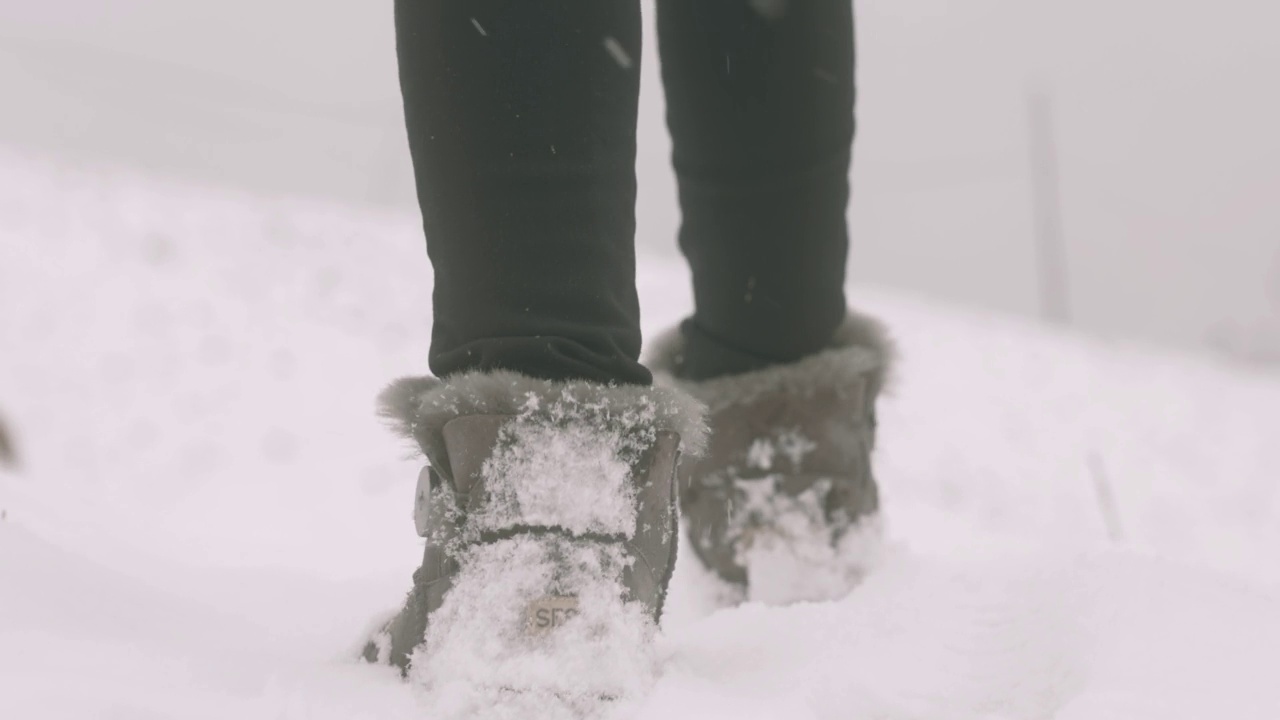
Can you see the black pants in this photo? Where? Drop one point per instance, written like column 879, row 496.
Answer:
column 522, row 118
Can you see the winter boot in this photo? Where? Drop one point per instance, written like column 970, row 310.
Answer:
column 783, row 504
column 549, row 513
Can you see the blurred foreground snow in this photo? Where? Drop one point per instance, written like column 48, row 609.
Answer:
column 208, row 516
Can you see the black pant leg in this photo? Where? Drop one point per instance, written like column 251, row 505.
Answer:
column 521, row 117
column 760, row 106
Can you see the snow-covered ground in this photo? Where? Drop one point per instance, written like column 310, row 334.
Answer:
column 207, row 515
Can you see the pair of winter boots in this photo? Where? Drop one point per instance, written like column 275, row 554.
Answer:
column 549, row 511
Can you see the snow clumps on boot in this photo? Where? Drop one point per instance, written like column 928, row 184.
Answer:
column 784, row 506
column 549, row 512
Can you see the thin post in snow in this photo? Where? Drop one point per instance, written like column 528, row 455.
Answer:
column 1046, row 208
column 1102, row 492
column 8, row 449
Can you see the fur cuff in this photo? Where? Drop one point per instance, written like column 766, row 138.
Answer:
column 860, row 349
column 419, row 407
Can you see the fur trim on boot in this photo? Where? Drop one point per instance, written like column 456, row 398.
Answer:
column 419, row 407
column 860, row 351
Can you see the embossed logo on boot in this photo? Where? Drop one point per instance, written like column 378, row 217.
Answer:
column 548, row 613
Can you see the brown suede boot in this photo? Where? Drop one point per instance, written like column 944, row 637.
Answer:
column 783, row 505
column 549, row 514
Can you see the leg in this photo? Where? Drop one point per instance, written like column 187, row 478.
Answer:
column 760, row 107
column 521, row 119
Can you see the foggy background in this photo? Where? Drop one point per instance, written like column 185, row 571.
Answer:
column 210, row 264
column 1161, row 115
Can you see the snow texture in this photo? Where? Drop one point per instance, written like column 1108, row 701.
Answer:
column 572, row 476
column 791, row 551
column 207, row 521
column 792, row 547
column 481, row 657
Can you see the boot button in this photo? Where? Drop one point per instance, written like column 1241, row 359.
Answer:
column 422, row 501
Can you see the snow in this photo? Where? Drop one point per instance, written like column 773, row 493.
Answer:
column 480, row 646
column 209, row 518
column 542, row 477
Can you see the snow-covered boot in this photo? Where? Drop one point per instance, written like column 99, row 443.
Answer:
column 549, row 513
column 783, row 504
